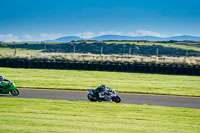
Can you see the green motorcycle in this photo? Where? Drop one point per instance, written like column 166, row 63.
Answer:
column 9, row 88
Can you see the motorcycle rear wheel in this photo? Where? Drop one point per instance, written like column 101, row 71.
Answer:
column 15, row 92
column 91, row 98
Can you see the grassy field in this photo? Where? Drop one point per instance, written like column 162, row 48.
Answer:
column 122, row 82
column 186, row 59
column 182, row 45
column 57, row 116
column 10, row 52
column 20, row 43
column 185, row 46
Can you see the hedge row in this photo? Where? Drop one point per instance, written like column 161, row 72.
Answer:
column 107, row 66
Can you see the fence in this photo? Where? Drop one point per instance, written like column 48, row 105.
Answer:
column 104, row 66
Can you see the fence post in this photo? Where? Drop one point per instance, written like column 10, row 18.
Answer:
column 101, row 50
column 74, row 49
column 129, row 51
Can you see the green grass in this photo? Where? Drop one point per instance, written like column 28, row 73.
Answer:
column 20, row 43
column 56, row 116
column 9, row 51
column 182, row 45
column 185, row 46
column 122, row 82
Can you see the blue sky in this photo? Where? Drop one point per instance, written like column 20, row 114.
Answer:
column 49, row 19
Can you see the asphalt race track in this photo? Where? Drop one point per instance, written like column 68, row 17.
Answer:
column 162, row 100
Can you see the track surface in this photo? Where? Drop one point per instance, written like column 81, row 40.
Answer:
column 162, row 100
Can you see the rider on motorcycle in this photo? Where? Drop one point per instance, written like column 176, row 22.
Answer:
column 100, row 92
column 2, row 79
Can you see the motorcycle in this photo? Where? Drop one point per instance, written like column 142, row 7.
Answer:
column 110, row 95
column 9, row 88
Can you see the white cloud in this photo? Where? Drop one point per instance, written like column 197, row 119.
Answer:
column 85, row 35
column 45, row 36
column 177, row 35
column 109, row 33
column 88, row 34
column 8, row 38
column 27, row 37
column 145, row 33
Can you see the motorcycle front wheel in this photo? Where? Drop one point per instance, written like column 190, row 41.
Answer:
column 15, row 92
column 116, row 99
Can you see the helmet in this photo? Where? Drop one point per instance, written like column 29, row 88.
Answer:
column 103, row 87
column 1, row 78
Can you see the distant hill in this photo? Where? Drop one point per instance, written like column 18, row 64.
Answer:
column 184, row 37
column 65, row 39
column 119, row 37
column 149, row 38
column 112, row 37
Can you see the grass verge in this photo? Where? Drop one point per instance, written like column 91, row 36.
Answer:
column 183, row 45
column 41, row 115
column 10, row 51
column 122, row 82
